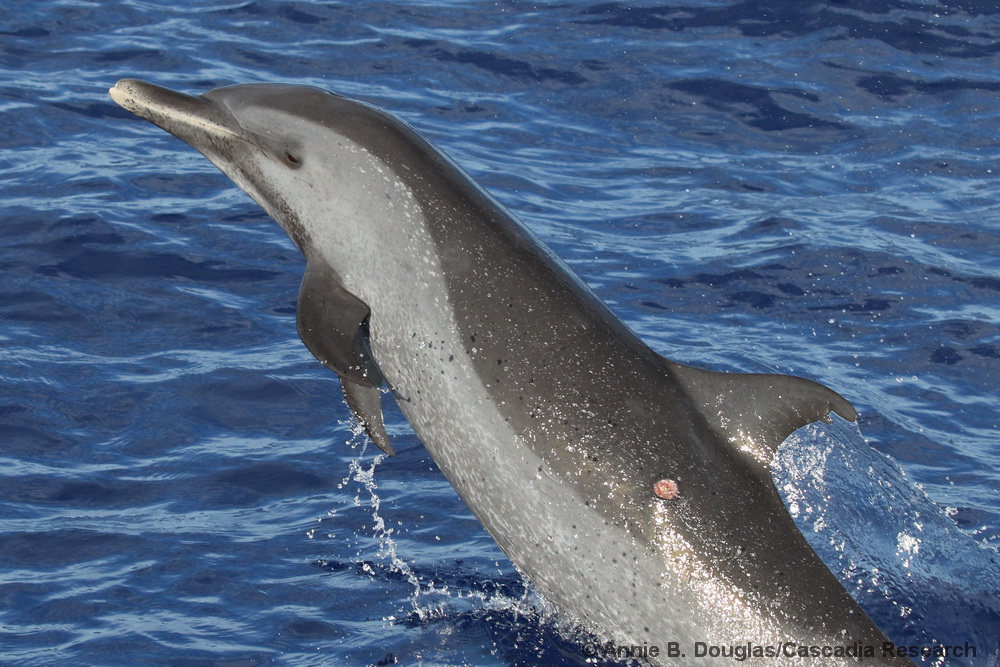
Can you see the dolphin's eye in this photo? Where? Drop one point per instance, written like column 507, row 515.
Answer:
column 292, row 160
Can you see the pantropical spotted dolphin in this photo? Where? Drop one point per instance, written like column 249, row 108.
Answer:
column 633, row 491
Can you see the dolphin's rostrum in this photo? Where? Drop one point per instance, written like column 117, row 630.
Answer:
column 635, row 492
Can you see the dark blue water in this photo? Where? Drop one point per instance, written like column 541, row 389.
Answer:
column 810, row 188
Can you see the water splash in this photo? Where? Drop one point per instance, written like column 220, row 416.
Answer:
column 428, row 600
column 511, row 612
column 919, row 576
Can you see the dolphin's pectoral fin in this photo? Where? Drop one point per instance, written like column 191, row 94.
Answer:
column 333, row 324
column 366, row 404
column 757, row 411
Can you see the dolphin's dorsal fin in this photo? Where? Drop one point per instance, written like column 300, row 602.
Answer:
column 757, row 411
column 333, row 324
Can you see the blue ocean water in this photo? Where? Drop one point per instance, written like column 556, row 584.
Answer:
column 807, row 188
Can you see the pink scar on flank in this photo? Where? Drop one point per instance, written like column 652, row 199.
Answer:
column 666, row 489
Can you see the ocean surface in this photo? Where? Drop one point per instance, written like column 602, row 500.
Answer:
column 799, row 187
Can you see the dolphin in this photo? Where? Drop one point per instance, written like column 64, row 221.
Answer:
column 633, row 491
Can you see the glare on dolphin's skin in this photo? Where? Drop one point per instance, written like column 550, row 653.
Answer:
column 635, row 492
